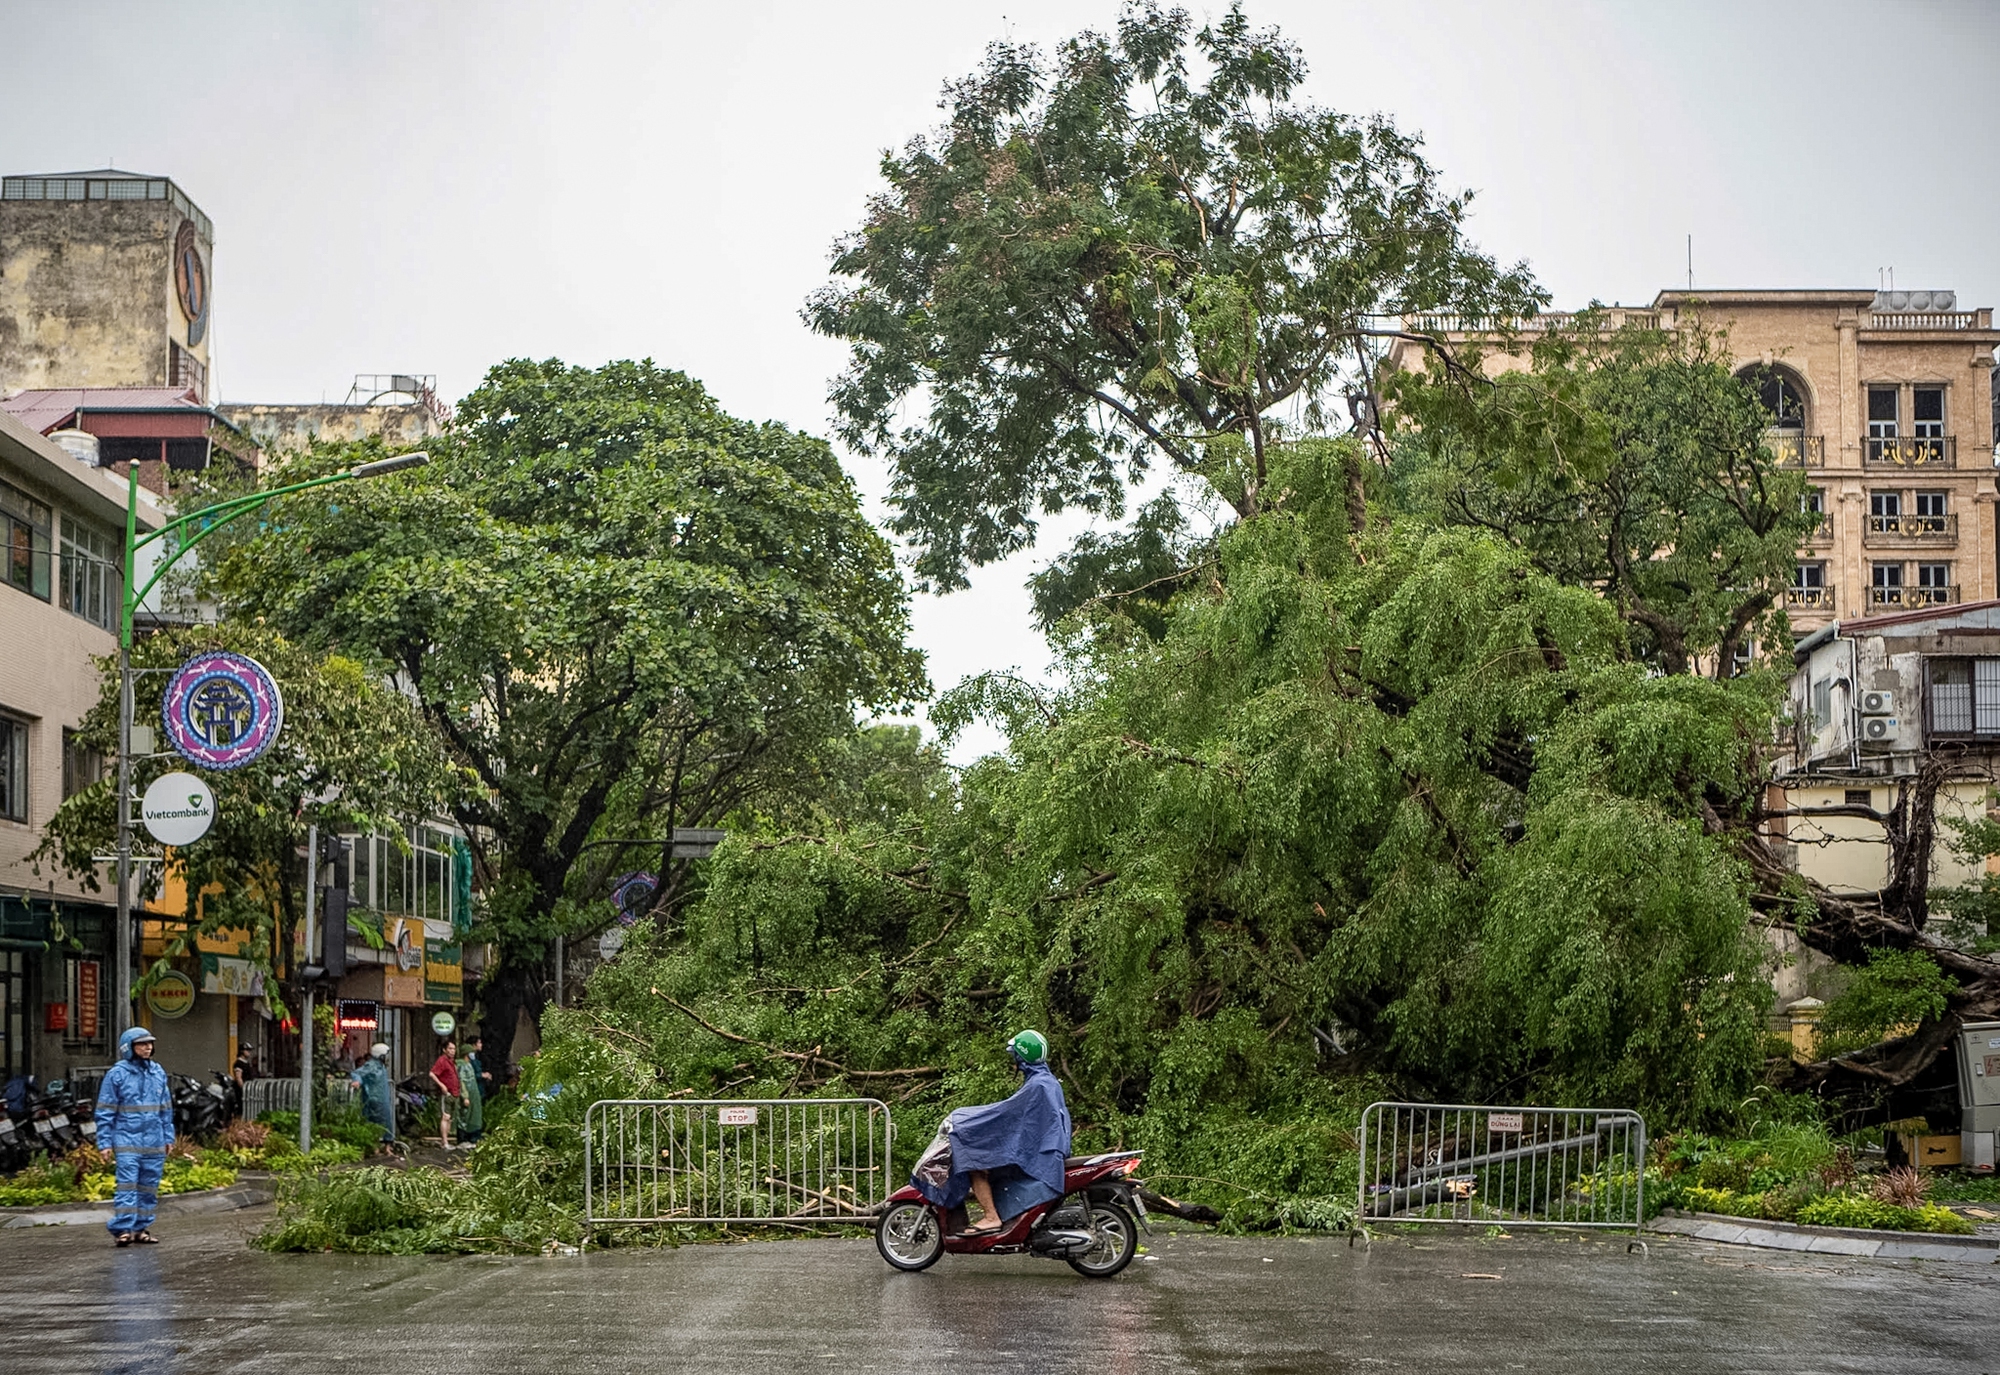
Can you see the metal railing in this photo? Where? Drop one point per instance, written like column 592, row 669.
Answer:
column 1905, row 529
column 1818, row 598
column 1910, row 451
column 1904, row 598
column 1514, row 1166
column 794, row 1160
column 1923, row 319
column 1795, row 450
column 282, row 1095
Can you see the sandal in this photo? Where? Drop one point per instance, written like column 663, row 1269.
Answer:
column 986, row 1228
column 145, row 1238
column 122, row 1240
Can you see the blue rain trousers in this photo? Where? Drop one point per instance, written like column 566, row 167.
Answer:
column 137, row 1197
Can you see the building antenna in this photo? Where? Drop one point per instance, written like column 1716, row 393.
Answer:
column 1690, row 262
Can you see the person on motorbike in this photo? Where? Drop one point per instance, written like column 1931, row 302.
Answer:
column 1008, row 1155
column 135, row 1125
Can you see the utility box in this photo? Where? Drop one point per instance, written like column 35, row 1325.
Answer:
column 1979, row 1092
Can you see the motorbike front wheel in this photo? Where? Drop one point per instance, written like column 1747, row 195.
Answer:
column 1117, row 1242
column 909, row 1236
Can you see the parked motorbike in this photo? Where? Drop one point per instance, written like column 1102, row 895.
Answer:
column 16, row 1152
column 198, row 1109
column 1094, row 1226
column 56, row 1131
column 228, row 1092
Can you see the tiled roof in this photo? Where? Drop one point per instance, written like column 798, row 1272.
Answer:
column 45, row 409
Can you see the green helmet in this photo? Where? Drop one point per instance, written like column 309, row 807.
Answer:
column 1029, row 1047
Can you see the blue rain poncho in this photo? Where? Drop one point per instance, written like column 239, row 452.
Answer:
column 1021, row 1143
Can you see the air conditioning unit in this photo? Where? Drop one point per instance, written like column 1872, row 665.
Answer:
column 1879, row 728
column 1878, row 704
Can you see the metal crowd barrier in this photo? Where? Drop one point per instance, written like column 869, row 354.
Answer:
column 1513, row 1166
column 282, row 1095
column 796, row 1160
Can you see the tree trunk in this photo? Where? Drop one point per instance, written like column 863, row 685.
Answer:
column 507, row 992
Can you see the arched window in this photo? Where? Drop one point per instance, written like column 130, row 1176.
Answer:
column 1782, row 393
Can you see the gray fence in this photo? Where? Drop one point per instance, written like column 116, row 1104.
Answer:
column 282, row 1095
column 795, row 1160
column 1520, row 1167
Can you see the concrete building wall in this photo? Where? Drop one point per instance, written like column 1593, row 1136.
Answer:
column 279, row 428
column 88, row 297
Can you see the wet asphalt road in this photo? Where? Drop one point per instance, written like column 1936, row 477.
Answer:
column 203, row 1302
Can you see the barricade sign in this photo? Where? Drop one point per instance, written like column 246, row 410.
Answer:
column 801, row 1161
column 1517, row 1167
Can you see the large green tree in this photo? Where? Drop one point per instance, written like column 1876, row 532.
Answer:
column 1143, row 248
column 622, row 609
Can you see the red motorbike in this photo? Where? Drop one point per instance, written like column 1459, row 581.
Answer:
column 1094, row 1226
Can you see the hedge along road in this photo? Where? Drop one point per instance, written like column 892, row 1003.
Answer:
column 204, row 1302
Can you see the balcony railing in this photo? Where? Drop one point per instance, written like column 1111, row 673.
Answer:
column 1435, row 322
column 1909, row 598
column 1795, row 450
column 1931, row 451
column 1924, row 319
column 1811, row 598
column 1895, row 530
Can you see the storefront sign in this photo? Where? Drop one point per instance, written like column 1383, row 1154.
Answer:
column 221, row 974
column 86, row 999
column 444, row 1023
column 351, row 1015
column 178, row 809
column 444, row 971
column 171, row 995
column 222, row 710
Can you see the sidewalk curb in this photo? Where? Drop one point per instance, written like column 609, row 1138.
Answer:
column 1834, row 1241
column 173, row 1205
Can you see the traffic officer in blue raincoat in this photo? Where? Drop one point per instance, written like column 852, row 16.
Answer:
column 135, row 1121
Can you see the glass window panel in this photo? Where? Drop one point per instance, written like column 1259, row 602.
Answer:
column 1929, row 404
column 13, row 769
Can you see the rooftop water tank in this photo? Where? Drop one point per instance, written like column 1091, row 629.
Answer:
column 78, row 444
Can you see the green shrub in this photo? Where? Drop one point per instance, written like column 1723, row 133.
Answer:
column 1856, row 1210
column 14, row 1195
column 1897, row 988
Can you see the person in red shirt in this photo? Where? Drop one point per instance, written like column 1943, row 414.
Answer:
column 444, row 1073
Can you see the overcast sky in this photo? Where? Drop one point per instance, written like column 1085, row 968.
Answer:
column 434, row 187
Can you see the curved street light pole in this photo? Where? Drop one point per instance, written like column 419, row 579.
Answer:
column 211, row 518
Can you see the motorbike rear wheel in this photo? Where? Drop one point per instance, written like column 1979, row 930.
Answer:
column 909, row 1236
column 1117, row 1242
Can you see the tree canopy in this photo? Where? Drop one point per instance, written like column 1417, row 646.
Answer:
column 620, row 608
column 1144, row 246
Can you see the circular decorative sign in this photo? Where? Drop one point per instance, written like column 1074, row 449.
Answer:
column 191, row 281
column 632, row 895
column 444, row 1023
column 222, row 710
column 170, row 995
column 178, row 809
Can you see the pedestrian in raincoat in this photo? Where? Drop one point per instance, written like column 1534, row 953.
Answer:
column 471, row 1117
column 135, row 1122
column 378, row 1103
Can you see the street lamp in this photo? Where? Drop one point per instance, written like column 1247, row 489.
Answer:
column 213, row 518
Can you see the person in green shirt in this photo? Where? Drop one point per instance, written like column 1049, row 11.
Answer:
column 472, row 1112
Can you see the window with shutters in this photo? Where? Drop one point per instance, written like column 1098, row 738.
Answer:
column 1964, row 697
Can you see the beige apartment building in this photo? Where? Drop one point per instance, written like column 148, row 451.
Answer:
column 1886, row 398
column 61, row 547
